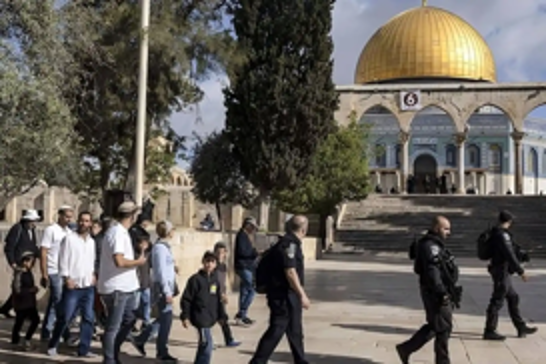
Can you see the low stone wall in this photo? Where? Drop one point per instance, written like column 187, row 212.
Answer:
column 188, row 247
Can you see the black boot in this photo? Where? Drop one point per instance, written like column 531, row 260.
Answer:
column 526, row 330
column 493, row 336
column 404, row 357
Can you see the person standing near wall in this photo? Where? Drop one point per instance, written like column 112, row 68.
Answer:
column 245, row 260
column 21, row 238
column 49, row 266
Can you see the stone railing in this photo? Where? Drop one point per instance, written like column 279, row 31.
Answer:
column 188, row 247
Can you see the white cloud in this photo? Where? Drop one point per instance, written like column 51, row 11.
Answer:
column 514, row 29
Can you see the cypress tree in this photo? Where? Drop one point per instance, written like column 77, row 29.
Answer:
column 281, row 100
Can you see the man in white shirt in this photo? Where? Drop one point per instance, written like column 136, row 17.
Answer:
column 118, row 282
column 77, row 271
column 49, row 266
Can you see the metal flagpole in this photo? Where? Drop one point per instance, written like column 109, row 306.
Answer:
column 142, row 89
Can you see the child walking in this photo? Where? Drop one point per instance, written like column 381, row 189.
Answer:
column 24, row 292
column 202, row 306
column 220, row 250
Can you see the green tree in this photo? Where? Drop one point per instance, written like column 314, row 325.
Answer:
column 281, row 99
column 339, row 172
column 216, row 174
column 187, row 43
column 36, row 124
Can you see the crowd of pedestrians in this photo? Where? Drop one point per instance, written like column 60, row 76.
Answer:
column 109, row 274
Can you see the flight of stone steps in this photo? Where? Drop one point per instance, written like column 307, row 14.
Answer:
column 388, row 223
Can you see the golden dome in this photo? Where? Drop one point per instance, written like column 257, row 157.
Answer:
column 426, row 43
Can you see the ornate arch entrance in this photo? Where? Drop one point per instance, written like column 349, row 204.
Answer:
column 425, row 171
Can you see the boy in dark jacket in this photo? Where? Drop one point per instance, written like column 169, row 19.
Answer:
column 202, row 306
column 220, row 250
column 24, row 292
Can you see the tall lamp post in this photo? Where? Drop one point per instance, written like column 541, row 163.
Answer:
column 142, row 89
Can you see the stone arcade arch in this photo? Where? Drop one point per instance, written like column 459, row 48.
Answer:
column 460, row 100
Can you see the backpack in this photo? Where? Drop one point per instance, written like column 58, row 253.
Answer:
column 412, row 251
column 484, row 246
column 264, row 270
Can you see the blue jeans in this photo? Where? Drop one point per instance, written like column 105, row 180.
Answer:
column 74, row 300
column 161, row 326
column 246, row 291
column 120, row 311
column 55, row 296
column 145, row 305
column 204, row 347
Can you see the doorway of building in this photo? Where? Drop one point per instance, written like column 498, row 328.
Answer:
column 425, row 172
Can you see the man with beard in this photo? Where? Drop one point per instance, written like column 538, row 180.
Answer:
column 431, row 258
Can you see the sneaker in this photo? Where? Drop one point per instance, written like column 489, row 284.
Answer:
column 493, row 336
column 526, row 330
column 247, row 321
column 52, row 352
column 233, row 344
column 138, row 347
column 167, row 359
column 26, row 345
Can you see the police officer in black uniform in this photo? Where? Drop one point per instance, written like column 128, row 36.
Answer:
column 431, row 262
column 286, row 296
column 504, row 263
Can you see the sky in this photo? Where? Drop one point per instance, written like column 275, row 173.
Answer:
column 514, row 29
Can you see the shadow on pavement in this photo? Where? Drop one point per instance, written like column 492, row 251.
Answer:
column 389, row 330
column 285, row 357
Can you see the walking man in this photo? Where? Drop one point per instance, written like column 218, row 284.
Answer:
column 504, row 263
column 245, row 258
column 431, row 260
column 49, row 266
column 285, row 295
column 21, row 238
column 77, row 271
column 118, row 282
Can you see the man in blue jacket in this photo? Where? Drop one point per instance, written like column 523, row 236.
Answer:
column 245, row 258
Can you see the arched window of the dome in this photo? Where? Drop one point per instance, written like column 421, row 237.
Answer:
column 473, row 156
column 380, row 153
column 532, row 161
column 451, row 155
column 495, row 158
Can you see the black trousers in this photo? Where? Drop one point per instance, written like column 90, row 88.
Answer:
column 285, row 318
column 21, row 316
column 502, row 290
column 439, row 326
column 226, row 330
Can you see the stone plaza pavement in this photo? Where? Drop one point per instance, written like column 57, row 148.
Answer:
column 361, row 307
